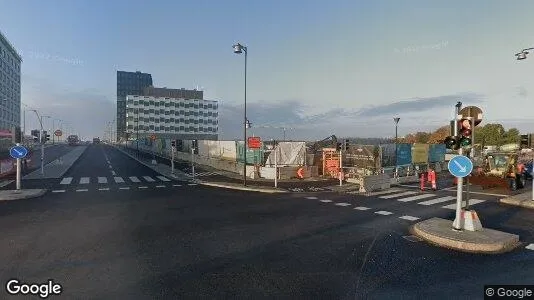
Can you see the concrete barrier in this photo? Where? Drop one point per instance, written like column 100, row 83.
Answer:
column 374, row 183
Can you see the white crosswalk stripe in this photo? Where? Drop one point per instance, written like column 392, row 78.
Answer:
column 148, row 178
column 118, row 179
column 85, row 180
column 409, row 218
column 66, row 180
column 471, row 202
column 398, row 195
column 163, row 178
column 438, row 200
column 383, row 212
column 342, row 204
column 418, row 197
column 390, row 191
column 102, row 180
column 134, row 179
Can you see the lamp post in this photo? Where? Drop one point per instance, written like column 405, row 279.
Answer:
column 238, row 49
column 520, row 56
column 396, row 120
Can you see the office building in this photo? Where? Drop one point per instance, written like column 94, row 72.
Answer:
column 173, row 118
column 10, row 62
column 128, row 83
column 173, row 93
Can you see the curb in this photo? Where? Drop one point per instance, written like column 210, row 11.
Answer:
column 464, row 246
column 250, row 189
column 66, row 170
column 55, row 160
column 516, row 202
column 38, row 194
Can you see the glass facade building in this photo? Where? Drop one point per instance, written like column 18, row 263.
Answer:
column 128, row 83
column 10, row 63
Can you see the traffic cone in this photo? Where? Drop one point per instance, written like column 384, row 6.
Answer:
column 422, row 182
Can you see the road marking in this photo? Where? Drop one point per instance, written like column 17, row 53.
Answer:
column 103, row 189
column 66, row 180
column 418, row 197
column 530, row 247
column 471, row 202
column 163, row 178
column 408, row 185
column 58, row 191
column 85, row 180
column 118, row 179
column 102, row 180
column 438, row 200
column 110, row 166
column 383, row 212
column 453, row 189
column 82, row 190
column 148, row 178
column 398, row 195
column 409, row 218
column 385, row 192
column 160, row 186
column 134, row 179
column 142, row 187
column 113, row 173
column 124, row 188
column 311, row 198
column 326, row 201
column 362, row 208
column 192, row 184
column 342, row 204
column 176, row 185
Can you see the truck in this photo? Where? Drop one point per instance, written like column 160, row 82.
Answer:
column 73, row 140
column 96, row 140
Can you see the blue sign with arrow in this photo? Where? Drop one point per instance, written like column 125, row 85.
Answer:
column 460, row 166
column 18, row 152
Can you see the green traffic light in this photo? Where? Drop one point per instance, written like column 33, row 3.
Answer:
column 465, row 142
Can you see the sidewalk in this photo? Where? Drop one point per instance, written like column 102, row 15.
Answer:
column 9, row 195
column 57, row 168
column 522, row 200
column 440, row 232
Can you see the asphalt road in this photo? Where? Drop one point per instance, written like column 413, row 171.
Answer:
column 186, row 241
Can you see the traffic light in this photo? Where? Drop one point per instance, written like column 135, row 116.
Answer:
column 451, row 142
column 339, row 146
column 346, row 145
column 47, row 137
column 464, row 133
column 17, row 135
column 525, row 140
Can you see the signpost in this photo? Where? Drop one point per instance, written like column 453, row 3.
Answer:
column 254, row 142
column 18, row 152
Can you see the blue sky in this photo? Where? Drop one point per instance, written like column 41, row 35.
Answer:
column 318, row 67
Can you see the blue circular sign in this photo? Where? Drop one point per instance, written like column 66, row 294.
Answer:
column 18, row 152
column 460, row 166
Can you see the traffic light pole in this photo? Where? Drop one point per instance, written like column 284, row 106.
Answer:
column 457, row 224
column 172, row 159
column 18, row 171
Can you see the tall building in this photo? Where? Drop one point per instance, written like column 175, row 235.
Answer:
column 10, row 62
column 176, row 118
column 128, row 83
column 173, row 93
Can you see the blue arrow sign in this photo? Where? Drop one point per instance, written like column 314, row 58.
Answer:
column 460, row 166
column 18, row 152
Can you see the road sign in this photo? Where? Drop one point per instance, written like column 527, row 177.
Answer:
column 18, row 152
column 254, row 143
column 460, row 166
column 58, row 133
column 472, row 112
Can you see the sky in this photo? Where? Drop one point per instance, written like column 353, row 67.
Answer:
column 316, row 68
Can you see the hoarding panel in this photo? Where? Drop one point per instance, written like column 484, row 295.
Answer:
column 420, row 153
column 388, row 155
column 404, row 154
column 436, row 153
column 362, row 156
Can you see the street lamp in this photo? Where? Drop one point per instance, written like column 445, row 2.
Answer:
column 238, row 49
column 523, row 54
column 40, row 119
column 396, row 121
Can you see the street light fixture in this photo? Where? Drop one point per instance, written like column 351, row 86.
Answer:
column 238, row 49
column 523, row 54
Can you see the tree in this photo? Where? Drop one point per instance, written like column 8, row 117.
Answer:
column 439, row 135
column 490, row 134
column 422, row 137
column 511, row 136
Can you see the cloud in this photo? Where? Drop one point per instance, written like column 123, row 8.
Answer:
column 522, row 91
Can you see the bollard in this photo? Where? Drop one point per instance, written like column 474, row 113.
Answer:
column 422, row 181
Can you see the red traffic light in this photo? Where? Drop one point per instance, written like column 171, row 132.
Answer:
column 466, row 132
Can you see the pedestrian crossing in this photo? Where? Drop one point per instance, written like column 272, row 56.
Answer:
column 113, row 179
column 202, row 174
column 425, row 199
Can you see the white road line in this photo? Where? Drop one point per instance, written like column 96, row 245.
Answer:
column 311, row 198
column 58, row 191
column 530, row 247
column 385, row 192
column 66, row 180
column 383, row 212
column 192, row 184
column 103, row 189
column 398, row 195
column 148, row 178
column 142, row 187
column 85, row 180
column 342, row 204
column 110, row 166
column 438, row 200
column 134, row 179
column 160, row 186
column 326, row 201
column 453, row 189
column 362, row 208
column 418, row 197
column 471, row 202
column 163, row 178
column 409, row 218
column 118, row 179
column 124, row 188
column 82, row 190
column 102, row 180
column 113, row 173
column 176, row 185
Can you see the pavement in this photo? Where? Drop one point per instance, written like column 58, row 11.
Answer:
column 56, row 168
column 523, row 200
column 127, row 237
